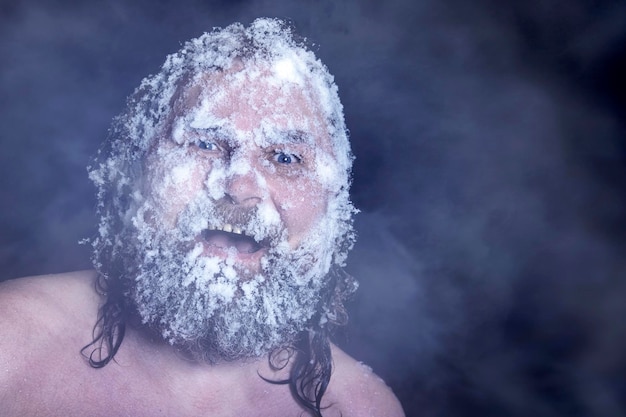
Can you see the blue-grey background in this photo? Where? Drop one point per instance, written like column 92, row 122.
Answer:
column 490, row 173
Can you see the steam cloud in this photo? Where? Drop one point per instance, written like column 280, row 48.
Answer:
column 488, row 170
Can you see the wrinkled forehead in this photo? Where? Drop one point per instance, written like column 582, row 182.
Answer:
column 262, row 104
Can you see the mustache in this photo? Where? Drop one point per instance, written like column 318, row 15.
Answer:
column 204, row 213
column 248, row 219
column 227, row 212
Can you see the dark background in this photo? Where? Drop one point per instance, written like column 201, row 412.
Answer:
column 490, row 173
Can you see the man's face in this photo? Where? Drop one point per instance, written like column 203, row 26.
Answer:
column 233, row 216
column 250, row 143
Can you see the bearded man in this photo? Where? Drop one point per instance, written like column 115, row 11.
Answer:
column 225, row 222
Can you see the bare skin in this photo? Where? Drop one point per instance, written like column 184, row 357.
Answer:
column 46, row 320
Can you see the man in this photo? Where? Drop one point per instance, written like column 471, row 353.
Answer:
column 224, row 223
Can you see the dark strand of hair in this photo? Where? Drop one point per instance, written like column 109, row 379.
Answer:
column 109, row 330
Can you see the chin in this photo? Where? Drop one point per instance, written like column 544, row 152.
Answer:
column 217, row 308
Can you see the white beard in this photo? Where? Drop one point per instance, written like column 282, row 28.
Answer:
column 215, row 310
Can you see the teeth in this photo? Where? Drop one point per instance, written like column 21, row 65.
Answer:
column 228, row 228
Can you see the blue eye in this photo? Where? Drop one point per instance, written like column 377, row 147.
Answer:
column 285, row 158
column 206, row 145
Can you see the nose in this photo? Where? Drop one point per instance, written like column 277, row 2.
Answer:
column 243, row 188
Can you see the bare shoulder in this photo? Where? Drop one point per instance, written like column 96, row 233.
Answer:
column 33, row 312
column 46, row 294
column 359, row 391
column 33, row 308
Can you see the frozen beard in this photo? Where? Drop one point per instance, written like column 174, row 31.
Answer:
column 224, row 195
column 215, row 307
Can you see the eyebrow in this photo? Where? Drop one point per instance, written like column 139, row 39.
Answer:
column 211, row 129
column 295, row 136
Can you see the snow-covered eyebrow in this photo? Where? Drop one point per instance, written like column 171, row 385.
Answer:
column 298, row 136
column 289, row 136
column 294, row 137
column 213, row 130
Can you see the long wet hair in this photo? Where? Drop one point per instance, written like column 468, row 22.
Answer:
column 117, row 170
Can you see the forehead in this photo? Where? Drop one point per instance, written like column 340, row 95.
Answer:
column 260, row 102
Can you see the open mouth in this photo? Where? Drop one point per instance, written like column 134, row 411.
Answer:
column 229, row 236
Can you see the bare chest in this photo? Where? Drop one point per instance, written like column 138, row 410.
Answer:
column 124, row 388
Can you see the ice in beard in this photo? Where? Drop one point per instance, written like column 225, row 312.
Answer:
column 218, row 311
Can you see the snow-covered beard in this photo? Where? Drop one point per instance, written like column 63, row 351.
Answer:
column 216, row 309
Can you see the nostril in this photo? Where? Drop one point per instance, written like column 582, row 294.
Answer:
column 239, row 199
column 229, row 199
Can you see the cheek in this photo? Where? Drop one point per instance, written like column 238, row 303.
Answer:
column 172, row 187
column 301, row 205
